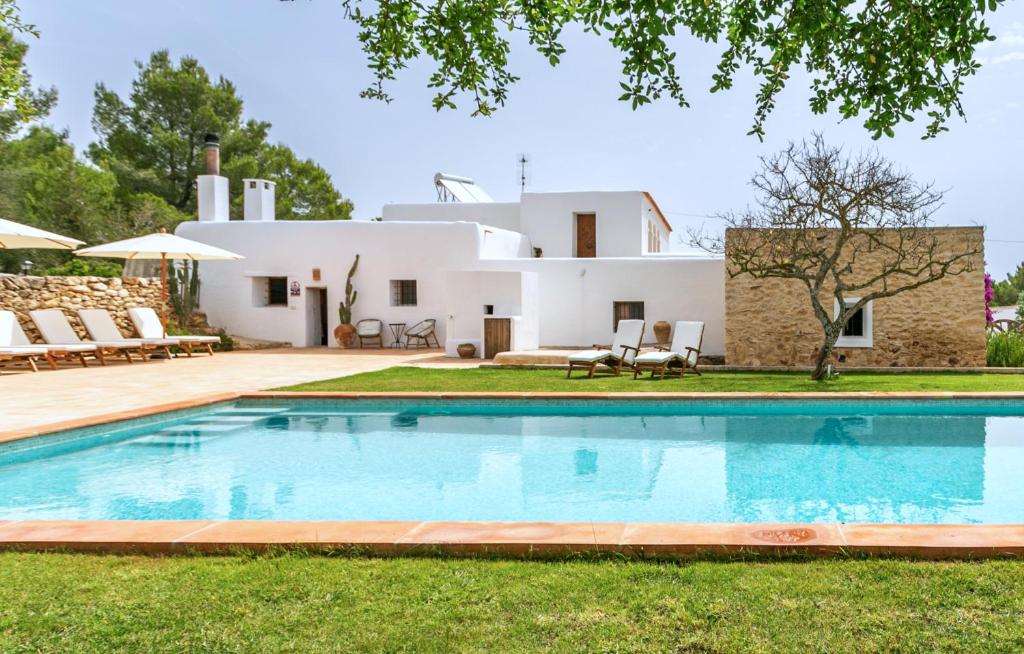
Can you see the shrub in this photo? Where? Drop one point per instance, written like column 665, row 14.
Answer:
column 1005, row 350
column 78, row 267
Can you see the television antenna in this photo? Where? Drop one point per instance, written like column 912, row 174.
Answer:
column 523, row 161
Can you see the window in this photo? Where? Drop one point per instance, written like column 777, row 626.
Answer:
column 626, row 311
column 858, row 329
column 653, row 237
column 403, row 292
column 277, row 291
column 270, row 291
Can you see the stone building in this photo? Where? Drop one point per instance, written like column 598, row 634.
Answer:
column 770, row 322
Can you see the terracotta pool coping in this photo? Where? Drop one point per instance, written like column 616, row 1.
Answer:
column 142, row 412
column 639, row 540
column 511, row 538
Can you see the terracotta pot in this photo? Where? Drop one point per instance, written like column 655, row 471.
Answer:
column 662, row 331
column 344, row 335
column 466, row 350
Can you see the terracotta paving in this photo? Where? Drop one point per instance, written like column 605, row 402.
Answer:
column 30, row 400
column 518, row 539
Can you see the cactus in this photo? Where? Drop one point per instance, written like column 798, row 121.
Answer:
column 345, row 308
column 184, row 287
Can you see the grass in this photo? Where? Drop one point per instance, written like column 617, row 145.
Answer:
column 492, row 379
column 301, row 603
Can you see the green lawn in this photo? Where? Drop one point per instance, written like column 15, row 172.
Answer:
column 299, row 603
column 493, row 379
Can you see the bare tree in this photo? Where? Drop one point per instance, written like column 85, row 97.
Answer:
column 843, row 227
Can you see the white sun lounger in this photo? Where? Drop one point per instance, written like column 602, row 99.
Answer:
column 54, row 327
column 147, row 325
column 624, row 349
column 101, row 327
column 24, row 354
column 680, row 356
column 13, row 336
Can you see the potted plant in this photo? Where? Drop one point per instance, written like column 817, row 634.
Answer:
column 344, row 333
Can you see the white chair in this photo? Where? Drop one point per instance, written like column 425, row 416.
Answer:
column 681, row 355
column 12, row 336
column 148, row 325
column 625, row 347
column 54, row 327
column 101, row 327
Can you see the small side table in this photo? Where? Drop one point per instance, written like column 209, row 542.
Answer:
column 396, row 332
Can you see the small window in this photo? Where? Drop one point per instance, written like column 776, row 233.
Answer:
column 858, row 331
column 626, row 311
column 653, row 237
column 277, row 291
column 855, row 325
column 403, row 292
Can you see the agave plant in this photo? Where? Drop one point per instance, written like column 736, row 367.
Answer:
column 183, row 283
column 345, row 307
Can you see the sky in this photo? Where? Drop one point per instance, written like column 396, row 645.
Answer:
column 299, row 66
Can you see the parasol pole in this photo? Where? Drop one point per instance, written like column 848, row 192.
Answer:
column 163, row 288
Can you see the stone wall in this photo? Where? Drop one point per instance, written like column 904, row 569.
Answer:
column 24, row 294
column 770, row 322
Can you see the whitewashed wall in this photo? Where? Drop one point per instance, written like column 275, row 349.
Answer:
column 549, row 220
column 504, row 215
column 576, row 295
column 420, row 251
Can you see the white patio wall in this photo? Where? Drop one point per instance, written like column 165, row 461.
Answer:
column 576, row 295
column 504, row 215
column 292, row 249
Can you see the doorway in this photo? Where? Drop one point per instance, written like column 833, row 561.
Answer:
column 586, row 235
column 316, row 317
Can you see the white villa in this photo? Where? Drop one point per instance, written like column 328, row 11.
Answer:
column 554, row 269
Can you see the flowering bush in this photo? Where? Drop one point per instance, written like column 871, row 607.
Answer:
column 989, row 294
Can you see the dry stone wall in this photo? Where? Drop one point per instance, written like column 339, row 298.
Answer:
column 770, row 322
column 116, row 295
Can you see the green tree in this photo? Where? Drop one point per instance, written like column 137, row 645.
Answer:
column 152, row 141
column 1011, row 289
column 43, row 183
column 18, row 102
column 887, row 60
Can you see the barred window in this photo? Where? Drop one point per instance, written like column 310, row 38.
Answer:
column 403, row 292
column 277, row 291
column 626, row 311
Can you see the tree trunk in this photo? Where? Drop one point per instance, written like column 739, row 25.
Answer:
column 824, row 354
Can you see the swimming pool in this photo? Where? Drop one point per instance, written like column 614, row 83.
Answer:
column 892, row 461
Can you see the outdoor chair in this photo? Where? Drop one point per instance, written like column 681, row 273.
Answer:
column 24, row 354
column 148, row 325
column 12, row 336
column 680, row 356
column 101, row 327
column 370, row 329
column 55, row 329
column 624, row 349
column 422, row 332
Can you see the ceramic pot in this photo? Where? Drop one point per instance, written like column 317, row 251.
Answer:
column 466, row 350
column 344, row 335
column 662, row 331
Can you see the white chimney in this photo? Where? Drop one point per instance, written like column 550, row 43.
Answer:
column 211, row 188
column 258, row 200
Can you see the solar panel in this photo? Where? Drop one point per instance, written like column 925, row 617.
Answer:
column 453, row 188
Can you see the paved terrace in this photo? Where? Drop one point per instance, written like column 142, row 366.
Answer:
column 30, row 400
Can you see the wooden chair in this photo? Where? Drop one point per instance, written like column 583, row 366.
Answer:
column 422, row 332
column 370, row 329
column 677, row 358
column 625, row 347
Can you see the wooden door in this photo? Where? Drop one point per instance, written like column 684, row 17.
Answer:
column 497, row 336
column 586, row 235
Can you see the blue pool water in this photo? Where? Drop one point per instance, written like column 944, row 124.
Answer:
column 634, row 461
